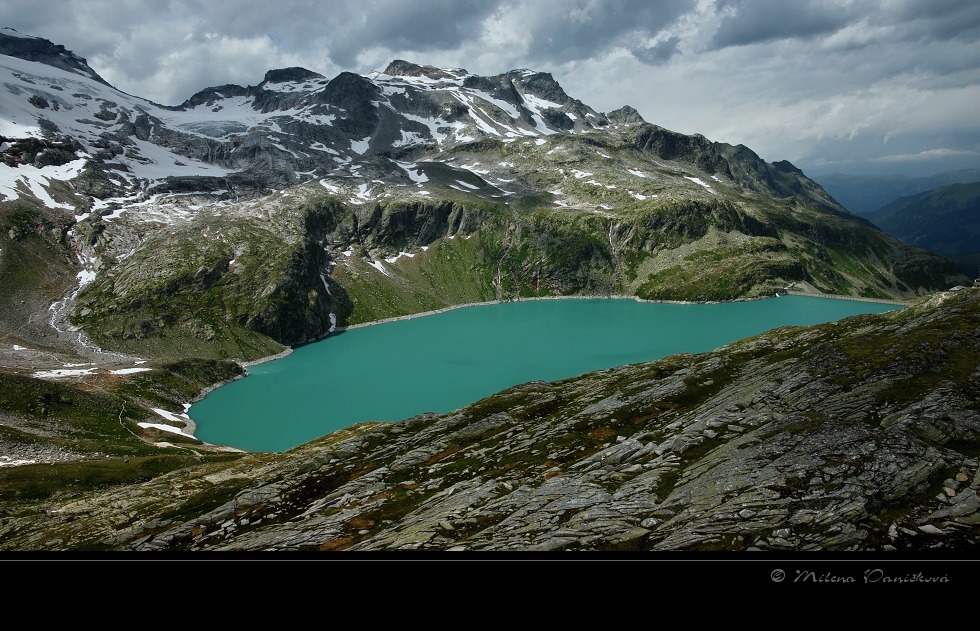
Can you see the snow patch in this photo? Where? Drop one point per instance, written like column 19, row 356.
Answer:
column 381, row 268
column 414, row 172
column 181, row 419
column 35, row 179
column 395, row 258
column 503, row 105
column 63, row 372
column 7, row 461
column 128, row 371
column 360, row 146
column 699, row 181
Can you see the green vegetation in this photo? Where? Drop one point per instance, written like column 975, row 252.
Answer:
column 28, row 483
column 95, row 431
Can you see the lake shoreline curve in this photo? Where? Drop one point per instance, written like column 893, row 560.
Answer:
column 191, row 426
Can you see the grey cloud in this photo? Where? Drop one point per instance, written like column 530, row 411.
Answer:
column 905, row 10
column 759, row 21
column 659, row 53
column 573, row 30
column 937, row 20
column 433, row 25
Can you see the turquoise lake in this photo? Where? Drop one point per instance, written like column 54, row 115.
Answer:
column 444, row 361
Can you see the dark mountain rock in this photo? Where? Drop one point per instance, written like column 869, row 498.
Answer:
column 38, row 152
column 354, row 96
column 540, row 84
column 785, row 166
column 499, row 87
column 43, row 51
column 625, row 115
column 402, row 68
column 290, row 75
column 781, row 179
column 209, row 96
column 669, row 145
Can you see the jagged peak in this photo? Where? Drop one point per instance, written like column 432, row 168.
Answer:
column 30, row 48
column 785, row 166
column 215, row 93
column 625, row 115
column 539, row 84
column 293, row 74
column 402, row 68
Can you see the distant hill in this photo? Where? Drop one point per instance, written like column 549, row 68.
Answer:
column 945, row 220
column 864, row 194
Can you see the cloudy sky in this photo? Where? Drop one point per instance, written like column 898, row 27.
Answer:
column 852, row 86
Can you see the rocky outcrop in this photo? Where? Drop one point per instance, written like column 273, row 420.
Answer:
column 404, row 226
column 402, row 68
column 625, row 115
column 216, row 280
column 41, row 50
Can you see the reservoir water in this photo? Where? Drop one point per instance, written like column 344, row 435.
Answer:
column 444, row 361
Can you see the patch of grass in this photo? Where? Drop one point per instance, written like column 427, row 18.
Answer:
column 171, row 384
column 42, row 481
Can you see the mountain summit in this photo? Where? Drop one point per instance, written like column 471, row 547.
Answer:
column 43, row 51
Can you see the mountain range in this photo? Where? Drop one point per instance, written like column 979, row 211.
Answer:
column 945, row 220
column 162, row 247
column 865, row 194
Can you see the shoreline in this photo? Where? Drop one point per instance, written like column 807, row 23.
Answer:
column 422, row 314
column 501, row 302
column 411, row 316
column 268, row 358
column 191, row 425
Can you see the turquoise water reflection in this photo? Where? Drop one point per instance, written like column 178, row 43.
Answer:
column 441, row 362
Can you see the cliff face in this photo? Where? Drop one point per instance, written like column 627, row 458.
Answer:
column 858, row 435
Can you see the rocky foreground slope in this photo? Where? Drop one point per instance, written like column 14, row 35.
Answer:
column 857, row 435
